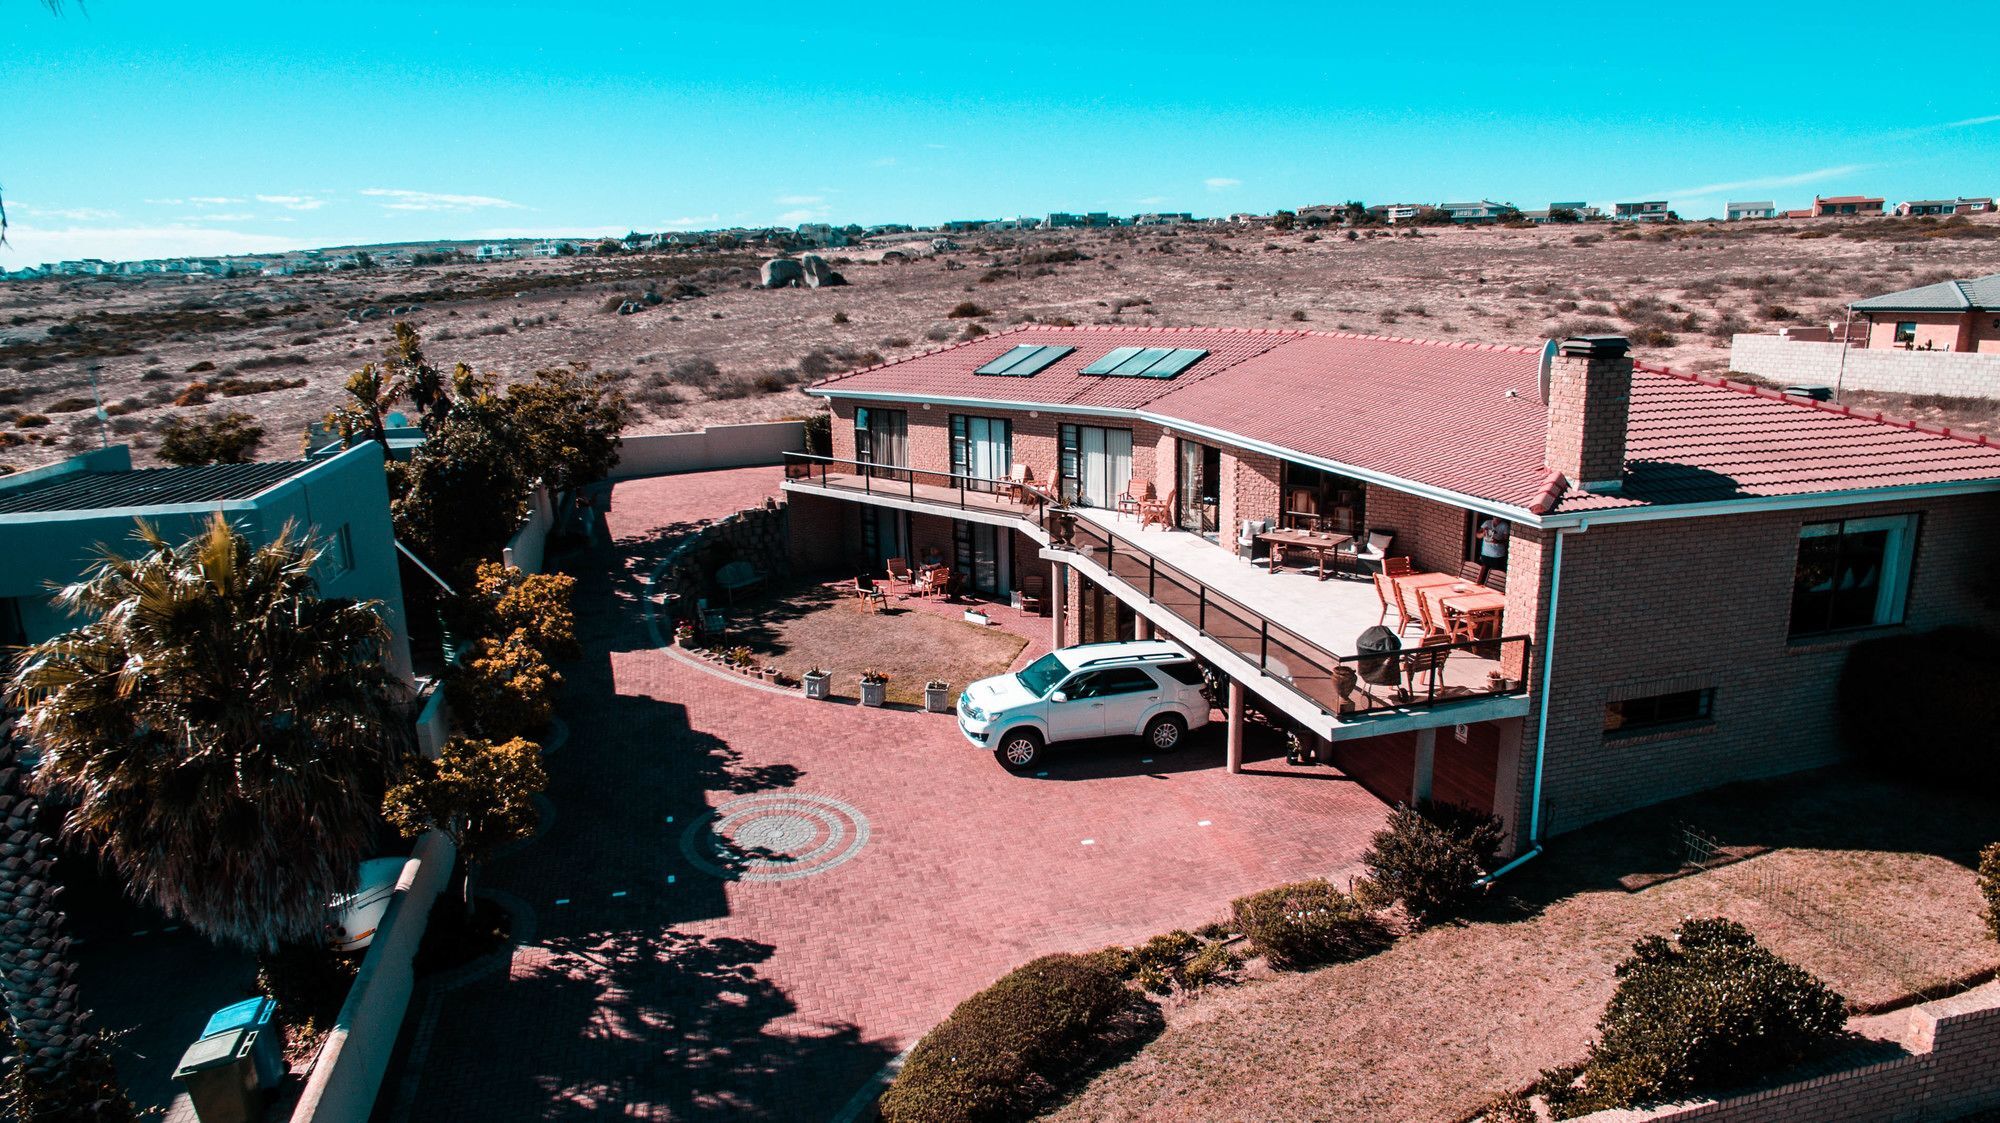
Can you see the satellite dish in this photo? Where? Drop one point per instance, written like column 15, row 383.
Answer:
column 1546, row 366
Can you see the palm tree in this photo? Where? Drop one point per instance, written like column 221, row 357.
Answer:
column 61, row 1071
column 222, row 735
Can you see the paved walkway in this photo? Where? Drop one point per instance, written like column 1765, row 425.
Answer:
column 746, row 903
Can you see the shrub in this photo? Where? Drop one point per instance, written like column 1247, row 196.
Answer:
column 230, row 438
column 1709, row 1010
column 1211, row 965
column 31, row 421
column 200, row 367
column 1308, row 923
column 505, row 690
column 1005, row 1052
column 965, row 310
column 1944, row 732
column 1989, row 886
column 1431, row 856
column 537, row 605
column 695, row 371
column 819, row 434
column 1510, row 1108
column 196, row 394
column 68, row 405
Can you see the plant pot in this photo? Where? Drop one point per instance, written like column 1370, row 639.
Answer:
column 873, row 693
column 937, row 699
column 818, row 684
column 974, row 616
column 770, row 674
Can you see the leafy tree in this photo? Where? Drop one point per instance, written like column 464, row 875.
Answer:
column 220, row 733
column 480, row 794
column 568, row 421
column 1564, row 214
column 60, row 1071
column 231, row 438
column 363, row 416
column 1284, row 220
column 462, row 494
column 505, row 689
column 408, row 375
column 536, row 604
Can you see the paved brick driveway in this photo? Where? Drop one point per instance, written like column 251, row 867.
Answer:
column 654, row 989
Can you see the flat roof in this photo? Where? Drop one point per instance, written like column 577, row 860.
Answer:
column 149, row 487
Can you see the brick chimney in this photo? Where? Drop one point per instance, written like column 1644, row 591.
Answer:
column 1590, row 397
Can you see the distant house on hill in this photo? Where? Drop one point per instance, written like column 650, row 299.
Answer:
column 1738, row 212
column 1952, row 316
column 1651, row 210
column 1845, row 206
column 1396, row 212
column 1920, row 207
column 494, row 251
column 1479, row 213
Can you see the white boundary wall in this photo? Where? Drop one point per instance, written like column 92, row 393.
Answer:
column 1953, row 374
column 530, row 543
column 719, row 446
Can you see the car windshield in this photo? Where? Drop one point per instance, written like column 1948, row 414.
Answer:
column 1042, row 675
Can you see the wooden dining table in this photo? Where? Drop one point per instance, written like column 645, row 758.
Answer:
column 1461, row 598
column 1320, row 544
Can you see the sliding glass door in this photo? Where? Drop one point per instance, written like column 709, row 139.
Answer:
column 1198, row 486
column 984, row 557
column 982, row 449
column 1096, row 465
column 882, row 437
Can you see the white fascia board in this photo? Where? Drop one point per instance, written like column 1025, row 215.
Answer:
column 1761, row 504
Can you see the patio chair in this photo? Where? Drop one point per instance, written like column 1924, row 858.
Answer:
column 945, row 583
column 1396, row 567
column 1386, row 593
column 1471, row 571
column 1404, row 616
column 709, row 621
column 738, row 577
column 1157, row 512
column 1018, row 482
column 899, row 572
column 1425, row 664
column 1496, row 580
column 1137, row 491
column 1375, row 551
column 1034, row 594
column 868, row 597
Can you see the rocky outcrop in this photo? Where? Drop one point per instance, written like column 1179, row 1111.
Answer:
column 782, row 272
column 818, row 273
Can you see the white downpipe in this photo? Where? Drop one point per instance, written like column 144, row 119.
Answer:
column 1542, row 722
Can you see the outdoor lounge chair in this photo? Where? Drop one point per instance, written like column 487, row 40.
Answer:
column 1375, row 551
column 1424, row 664
column 869, row 597
column 899, row 572
column 1137, row 492
column 1157, row 512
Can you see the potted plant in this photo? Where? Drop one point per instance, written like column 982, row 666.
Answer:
column 937, row 696
column 740, row 658
column 684, row 633
column 817, row 684
column 769, row 672
column 874, row 688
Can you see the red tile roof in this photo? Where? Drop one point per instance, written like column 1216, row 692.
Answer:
column 1460, row 417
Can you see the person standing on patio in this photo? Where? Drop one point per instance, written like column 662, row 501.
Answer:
column 1492, row 535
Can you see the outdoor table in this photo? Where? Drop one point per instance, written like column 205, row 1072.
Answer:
column 1321, row 545
column 1462, row 598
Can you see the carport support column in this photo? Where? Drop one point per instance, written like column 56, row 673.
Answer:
column 1142, row 628
column 1235, row 726
column 1420, row 784
column 1058, row 602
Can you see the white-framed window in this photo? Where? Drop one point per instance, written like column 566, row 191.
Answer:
column 1852, row 573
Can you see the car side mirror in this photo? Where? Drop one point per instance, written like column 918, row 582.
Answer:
column 1059, row 696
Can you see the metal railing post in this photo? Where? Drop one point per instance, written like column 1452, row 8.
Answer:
column 1201, row 620
column 1263, row 643
column 1152, row 578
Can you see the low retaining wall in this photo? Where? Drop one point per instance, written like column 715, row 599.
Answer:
column 719, row 446
column 530, row 543
column 349, row 1071
column 1952, row 1068
column 1952, row 374
column 758, row 535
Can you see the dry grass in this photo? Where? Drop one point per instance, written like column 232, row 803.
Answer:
column 1680, row 290
column 819, row 625
column 1879, row 901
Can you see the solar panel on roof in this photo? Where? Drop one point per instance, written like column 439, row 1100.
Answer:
column 1025, row 360
column 1111, row 359
column 1146, row 362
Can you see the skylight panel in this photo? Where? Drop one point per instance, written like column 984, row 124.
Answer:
column 1025, row 360
column 1111, row 359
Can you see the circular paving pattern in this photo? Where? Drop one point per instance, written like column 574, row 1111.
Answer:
column 775, row 836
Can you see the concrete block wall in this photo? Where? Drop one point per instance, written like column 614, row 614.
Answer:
column 718, row 446
column 1947, row 1071
column 1952, row 374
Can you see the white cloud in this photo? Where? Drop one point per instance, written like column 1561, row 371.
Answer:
column 293, row 202
column 1221, row 182
column 1793, row 180
column 799, row 200
column 567, row 233
column 693, row 222
column 1152, row 200
column 30, row 243
column 72, row 214
column 1969, row 121
column 214, row 217
column 803, row 214
column 404, row 200
column 215, row 200
column 167, row 202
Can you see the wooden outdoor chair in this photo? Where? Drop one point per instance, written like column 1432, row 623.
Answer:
column 1034, row 594
column 1157, row 512
column 1472, row 571
column 899, row 572
column 1396, row 567
column 1138, row 491
column 1018, row 483
column 1406, row 617
column 1496, row 580
column 1424, row 664
column 1386, row 593
column 868, row 597
column 1375, row 551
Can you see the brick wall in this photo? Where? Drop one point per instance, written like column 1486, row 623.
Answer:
column 1249, row 490
column 1429, row 533
column 1955, row 374
column 1655, row 607
column 1590, row 392
column 1946, row 1071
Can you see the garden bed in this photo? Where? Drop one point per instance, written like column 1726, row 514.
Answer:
column 804, row 625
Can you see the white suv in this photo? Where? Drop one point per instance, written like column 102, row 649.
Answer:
column 1148, row 688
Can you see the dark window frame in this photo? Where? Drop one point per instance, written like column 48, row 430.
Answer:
column 1831, row 623
column 1675, row 709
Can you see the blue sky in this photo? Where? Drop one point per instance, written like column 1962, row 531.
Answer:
column 135, row 129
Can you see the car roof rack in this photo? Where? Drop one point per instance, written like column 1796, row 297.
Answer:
column 1147, row 657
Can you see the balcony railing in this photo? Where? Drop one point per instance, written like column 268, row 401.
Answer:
column 1342, row 686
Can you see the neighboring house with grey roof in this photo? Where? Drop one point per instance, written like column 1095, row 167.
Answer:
column 1957, row 316
column 54, row 519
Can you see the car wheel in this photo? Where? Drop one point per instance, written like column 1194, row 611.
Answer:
column 1165, row 732
column 1020, row 750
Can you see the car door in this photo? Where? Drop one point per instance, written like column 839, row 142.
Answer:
column 1081, row 713
column 1123, row 696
